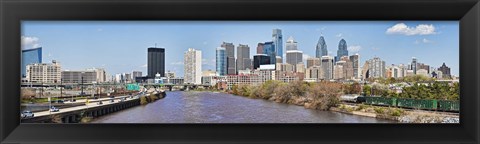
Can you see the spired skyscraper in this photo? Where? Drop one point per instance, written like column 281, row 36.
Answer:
column 321, row 49
column 291, row 44
column 342, row 50
column 277, row 39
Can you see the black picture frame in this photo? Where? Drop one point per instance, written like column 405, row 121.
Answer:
column 12, row 12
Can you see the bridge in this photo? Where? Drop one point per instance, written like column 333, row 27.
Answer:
column 170, row 86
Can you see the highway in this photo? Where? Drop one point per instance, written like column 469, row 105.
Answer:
column 92, row 104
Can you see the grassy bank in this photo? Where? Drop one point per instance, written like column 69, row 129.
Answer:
column 320, row 96
column 151, row 98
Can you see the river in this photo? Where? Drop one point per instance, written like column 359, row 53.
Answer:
column 213, row 107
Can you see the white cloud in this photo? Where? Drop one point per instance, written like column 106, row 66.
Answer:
column 205, row 43
column 402, row 28
column 30, row 42
column 177, row 63
column 375, row 48
column 354, row 48
column 99, row 29
column 339, row 35
column 145, row 65
column 424, row 40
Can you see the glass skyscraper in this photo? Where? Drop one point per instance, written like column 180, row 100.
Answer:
column 342, row 50
column 321, row 49
column 277, row 41
column 269, row 50
column 221, row 61
column 30, row 56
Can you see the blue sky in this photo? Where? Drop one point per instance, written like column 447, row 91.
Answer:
column 121, row 46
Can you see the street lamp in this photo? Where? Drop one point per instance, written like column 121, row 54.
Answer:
column 81, row 93
column 61, row 87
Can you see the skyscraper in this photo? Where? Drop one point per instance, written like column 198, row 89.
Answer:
column 327, row 67
column 321, row 49
column 376, row 68
column 260, row 48
column 348, row 71
column 294, row 57
column 356, row 65
column 221, row 61
column 445, row 71
column 342, row 49
column 136, row 74
column 313, row 62
column 291, row 44
column 243, row 57
column 30, row 56
column 277, row 41
column 269, row 50
column 230, row 56
column 193, row 66
column 260, row 59
column 413, row 65
column 156, row 62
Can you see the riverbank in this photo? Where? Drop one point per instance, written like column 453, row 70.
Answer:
column 388, row 113
column 397, row 114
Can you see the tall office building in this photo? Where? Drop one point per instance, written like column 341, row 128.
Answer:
column 413, row 65
column 423, row 66
column 260, row 48
column 291, row 44
column 313, row 61
column 84, row 76
column 445, row 71
column 136, row 74
column 355, row 59
column 230, row 56
column 365, row 70
column 156, row 62
column 348, row 71
column 269, row 50
column 342, row 49
column 243, row 57
column 221, row 61
column 44, row 72
column 327, row 67
column 278, row 42
column 260, row 59
column 193, row 66
column 294, row 57
column 321, row 49
column 128, row 77
column 377, row 68
column 30, row 56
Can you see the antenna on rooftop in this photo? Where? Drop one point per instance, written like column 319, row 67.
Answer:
column 155, row 45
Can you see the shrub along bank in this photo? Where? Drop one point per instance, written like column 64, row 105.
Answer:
column 152, row 97
column 321, row 96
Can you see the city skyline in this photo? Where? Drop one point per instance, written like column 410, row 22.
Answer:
column 431, row 43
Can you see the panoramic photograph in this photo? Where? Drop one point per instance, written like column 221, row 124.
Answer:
column 240, row 72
